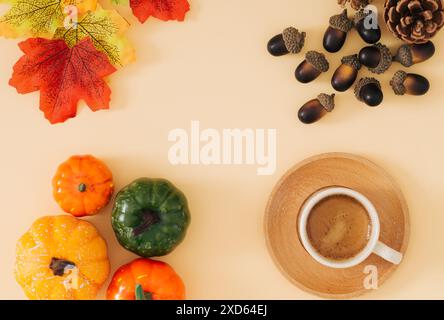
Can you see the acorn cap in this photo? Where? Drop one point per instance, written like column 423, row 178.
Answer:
column 341, row 22
column 359, row 15
column 404, row 56
column 355, row 4
column 397, row 83
column 317, row 60
column 293, row 39
column 327, row 101
column 386, row 59
column 362, row 83
column 352, row 61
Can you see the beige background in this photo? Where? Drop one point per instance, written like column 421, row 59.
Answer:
column 214, row 68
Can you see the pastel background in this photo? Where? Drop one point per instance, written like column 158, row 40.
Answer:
column 215, row 68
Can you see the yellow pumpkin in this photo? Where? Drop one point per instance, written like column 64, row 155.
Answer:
column 61, row 258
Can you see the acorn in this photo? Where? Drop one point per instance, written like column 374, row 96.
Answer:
column 410, row 54
column 289, row 41
column 369, row 35
column 315, row 109
column 409, row 83
column 377, row 58
column 336, row 34
column 346, row 74
column 368, row 90
column 314, row 64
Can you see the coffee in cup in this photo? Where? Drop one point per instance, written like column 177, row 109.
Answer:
column 339, row 227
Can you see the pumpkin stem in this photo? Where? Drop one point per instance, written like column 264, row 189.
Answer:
column 148, row 219
column 58, row 266
column 142, row 295
column 82, row 187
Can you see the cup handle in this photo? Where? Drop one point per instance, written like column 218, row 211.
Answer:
column 387, row 253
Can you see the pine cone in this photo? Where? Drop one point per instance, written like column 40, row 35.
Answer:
column 414, row 21
column 355, row 4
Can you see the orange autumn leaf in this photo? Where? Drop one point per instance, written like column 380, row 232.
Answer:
column 63, row 75
column 161, row 9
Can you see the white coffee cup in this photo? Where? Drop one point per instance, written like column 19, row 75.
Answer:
column 373, row 245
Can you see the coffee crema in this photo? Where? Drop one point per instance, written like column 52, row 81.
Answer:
column 339, row 227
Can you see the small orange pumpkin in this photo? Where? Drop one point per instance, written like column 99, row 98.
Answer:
column 61, row 258
column 82, row 185
column 146, row 279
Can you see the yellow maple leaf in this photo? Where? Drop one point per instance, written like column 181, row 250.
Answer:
column 106, row 29
column 38, row 18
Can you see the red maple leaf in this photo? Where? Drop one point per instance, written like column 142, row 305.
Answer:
column 161, row 9
column 63, row 75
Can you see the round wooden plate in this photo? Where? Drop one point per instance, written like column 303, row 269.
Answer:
column 333, row 169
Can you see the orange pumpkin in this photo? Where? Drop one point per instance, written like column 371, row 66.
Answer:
column 146, row 279
column 82, row 185
column 61, row 257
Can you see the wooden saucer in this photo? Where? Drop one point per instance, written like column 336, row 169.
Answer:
column 333, row 169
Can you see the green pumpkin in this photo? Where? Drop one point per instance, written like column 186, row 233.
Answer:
column 150, row 217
